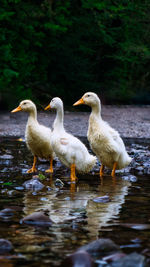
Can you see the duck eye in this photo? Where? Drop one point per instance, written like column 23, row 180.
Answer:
column 25, row 103
column 88, row 95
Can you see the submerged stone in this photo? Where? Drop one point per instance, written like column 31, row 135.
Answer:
column 59, row 183
column 6, row 156
column 136, row 226
column 102, row 246
column 139, row 170
column 78, row 259
column 114, row 257
column 6, row 212
column 5, row 246
column 103, row 199
column 130, row 178
column 33, row 184
column 132, row 260
column 37, row 219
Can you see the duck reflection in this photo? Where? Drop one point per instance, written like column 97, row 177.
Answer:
column 69, row 203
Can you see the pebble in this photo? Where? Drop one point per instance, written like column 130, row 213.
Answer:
column 34, row 184
column 37, row 219
column 103, row 199
column 102, row 246
column 5, row 246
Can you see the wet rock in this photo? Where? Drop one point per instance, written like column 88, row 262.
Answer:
column 131, row 260
column 102, row 246
column 37, row 219
column 6, row 212
column 146, row 252
column 130, row 178
column 146, row 168
column 139, row 170
column 34, row 184
column 59, row 183
column 103, row 199
column 5, row 156
column 134, row 164
column 49, row 188
column 78, row 259
column 19, row 188
column 78, row 212
column 136, row 226
column 126, row 170
column 12, row 192
column 5, row 246
column 114, row 257
column 4, row 191
column 136, row 240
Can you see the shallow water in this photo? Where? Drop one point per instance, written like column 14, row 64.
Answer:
column 77, row 216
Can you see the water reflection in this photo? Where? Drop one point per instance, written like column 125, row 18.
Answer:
column 77, row 201
column 77, row 218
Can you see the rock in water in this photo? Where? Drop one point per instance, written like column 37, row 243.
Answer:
column 34, row 184
column 5, row 246
column 102, row 246
column 132, row 260
column 78, row 259
column 37, row 219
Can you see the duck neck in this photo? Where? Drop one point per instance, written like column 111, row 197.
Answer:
column 96, row 111
column 59, row 121
column 32, row 116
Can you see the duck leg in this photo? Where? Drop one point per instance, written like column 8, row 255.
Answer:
column 51, row 166
column 114, row 169
column 73, row 173
column 33, row 169
column 101, row 172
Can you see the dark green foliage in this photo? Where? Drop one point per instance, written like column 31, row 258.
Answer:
column 65, row 48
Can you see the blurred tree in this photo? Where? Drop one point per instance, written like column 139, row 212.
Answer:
column 64, row 48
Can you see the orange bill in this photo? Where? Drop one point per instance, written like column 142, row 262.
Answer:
column 16, row 109
column 79, row 102
column 48, row 107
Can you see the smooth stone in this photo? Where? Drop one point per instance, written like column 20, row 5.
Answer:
column 78, row 259
column 6, row 212
column 33, row 184
column 6, row 156
column 5, row 246
column 59, row 183
column 130, row 178
column 114, row 257
column 132, row 260
column 103, row 199
column 37, row 219
column 102, row 246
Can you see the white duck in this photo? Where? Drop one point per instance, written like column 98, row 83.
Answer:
column 69, row 149
column 37, row 136
column 104, row 140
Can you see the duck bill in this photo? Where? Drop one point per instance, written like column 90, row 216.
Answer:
column 48, row 107
column 79, row 102
column 16, row 109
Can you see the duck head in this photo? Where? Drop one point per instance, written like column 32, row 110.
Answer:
column 56, row 103
column 91, row 99
column 25, row 105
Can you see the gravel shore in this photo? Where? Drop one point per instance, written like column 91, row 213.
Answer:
column 130, row 121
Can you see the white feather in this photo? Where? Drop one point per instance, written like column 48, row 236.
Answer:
column 37, row 136
column 69, row 149
column 105, row 141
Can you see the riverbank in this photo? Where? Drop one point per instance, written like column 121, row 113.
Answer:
column 130, row 121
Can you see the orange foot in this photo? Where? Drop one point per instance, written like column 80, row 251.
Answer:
column 32, row 170
column 49, row 171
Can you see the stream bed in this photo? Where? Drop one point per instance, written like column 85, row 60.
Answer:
column 77, row 214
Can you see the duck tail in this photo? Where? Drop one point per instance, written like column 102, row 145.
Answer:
column 125, row 161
